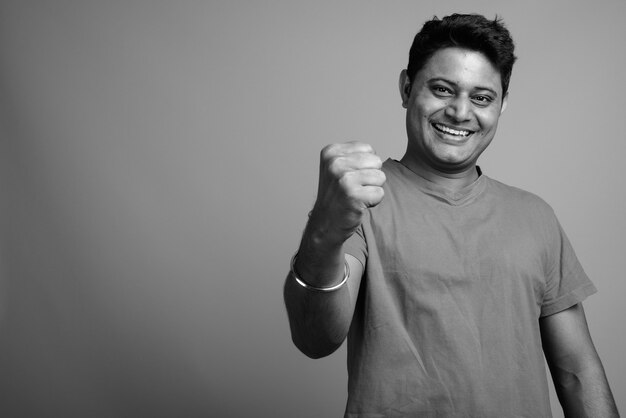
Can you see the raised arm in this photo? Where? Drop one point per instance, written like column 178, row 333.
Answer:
column 577, row 372
column 350, row 181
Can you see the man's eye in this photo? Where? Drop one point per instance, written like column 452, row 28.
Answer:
column 482, row 100
column 442, row 91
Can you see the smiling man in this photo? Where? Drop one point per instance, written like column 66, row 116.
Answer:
column 450, row 286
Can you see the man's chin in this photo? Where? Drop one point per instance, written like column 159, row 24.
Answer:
column 454, row 164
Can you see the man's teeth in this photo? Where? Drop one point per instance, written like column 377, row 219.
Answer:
column 451, row 131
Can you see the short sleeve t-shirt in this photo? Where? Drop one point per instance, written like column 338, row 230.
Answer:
column 446, row 322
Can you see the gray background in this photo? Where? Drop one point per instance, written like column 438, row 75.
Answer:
column 158, row 160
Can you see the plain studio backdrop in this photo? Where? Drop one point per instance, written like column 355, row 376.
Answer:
column 158, row 160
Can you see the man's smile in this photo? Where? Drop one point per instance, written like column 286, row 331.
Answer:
column 451, row 131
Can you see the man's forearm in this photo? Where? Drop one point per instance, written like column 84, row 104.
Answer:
column 319, row 321
column 576, row 369
column 585, row 392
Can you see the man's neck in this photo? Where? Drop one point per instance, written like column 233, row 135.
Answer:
column 451, row 180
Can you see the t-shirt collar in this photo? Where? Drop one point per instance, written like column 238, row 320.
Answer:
column 455, row 198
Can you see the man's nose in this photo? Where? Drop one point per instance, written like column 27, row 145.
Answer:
column 459, row 109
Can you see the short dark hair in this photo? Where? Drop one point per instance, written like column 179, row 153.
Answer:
column 470, row 31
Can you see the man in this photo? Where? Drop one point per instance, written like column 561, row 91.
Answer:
column 449, row 285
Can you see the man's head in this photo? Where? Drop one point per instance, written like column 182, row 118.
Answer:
column 467, row 31
column 454, row 90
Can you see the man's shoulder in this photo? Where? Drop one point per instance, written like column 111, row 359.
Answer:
column 395, row 172
column 398, row 172
column 390, row 165
column 517, row 196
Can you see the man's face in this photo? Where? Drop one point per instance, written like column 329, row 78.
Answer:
column 453, row 108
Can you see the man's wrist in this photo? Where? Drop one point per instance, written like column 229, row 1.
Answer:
column 320, row 259
column 308, row 286
column 322, row 235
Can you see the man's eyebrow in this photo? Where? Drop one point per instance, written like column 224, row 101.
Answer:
column 445, row 80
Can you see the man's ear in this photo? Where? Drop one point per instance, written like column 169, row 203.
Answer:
column 405, row 88
column 505, row 101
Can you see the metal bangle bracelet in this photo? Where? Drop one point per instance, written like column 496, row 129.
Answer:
column 315, row 288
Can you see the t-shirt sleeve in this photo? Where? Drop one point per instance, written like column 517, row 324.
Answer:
column 566, row 282
column 356, row 246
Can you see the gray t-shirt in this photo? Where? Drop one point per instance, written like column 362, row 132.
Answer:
column 446, row 323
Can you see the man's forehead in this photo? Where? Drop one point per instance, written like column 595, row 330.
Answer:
column 463, row 67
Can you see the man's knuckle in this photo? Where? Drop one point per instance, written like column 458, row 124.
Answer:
column 346, row 181
column 336, row 165
column 328, row 151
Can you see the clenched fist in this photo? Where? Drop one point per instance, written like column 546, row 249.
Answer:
column 350, row 181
